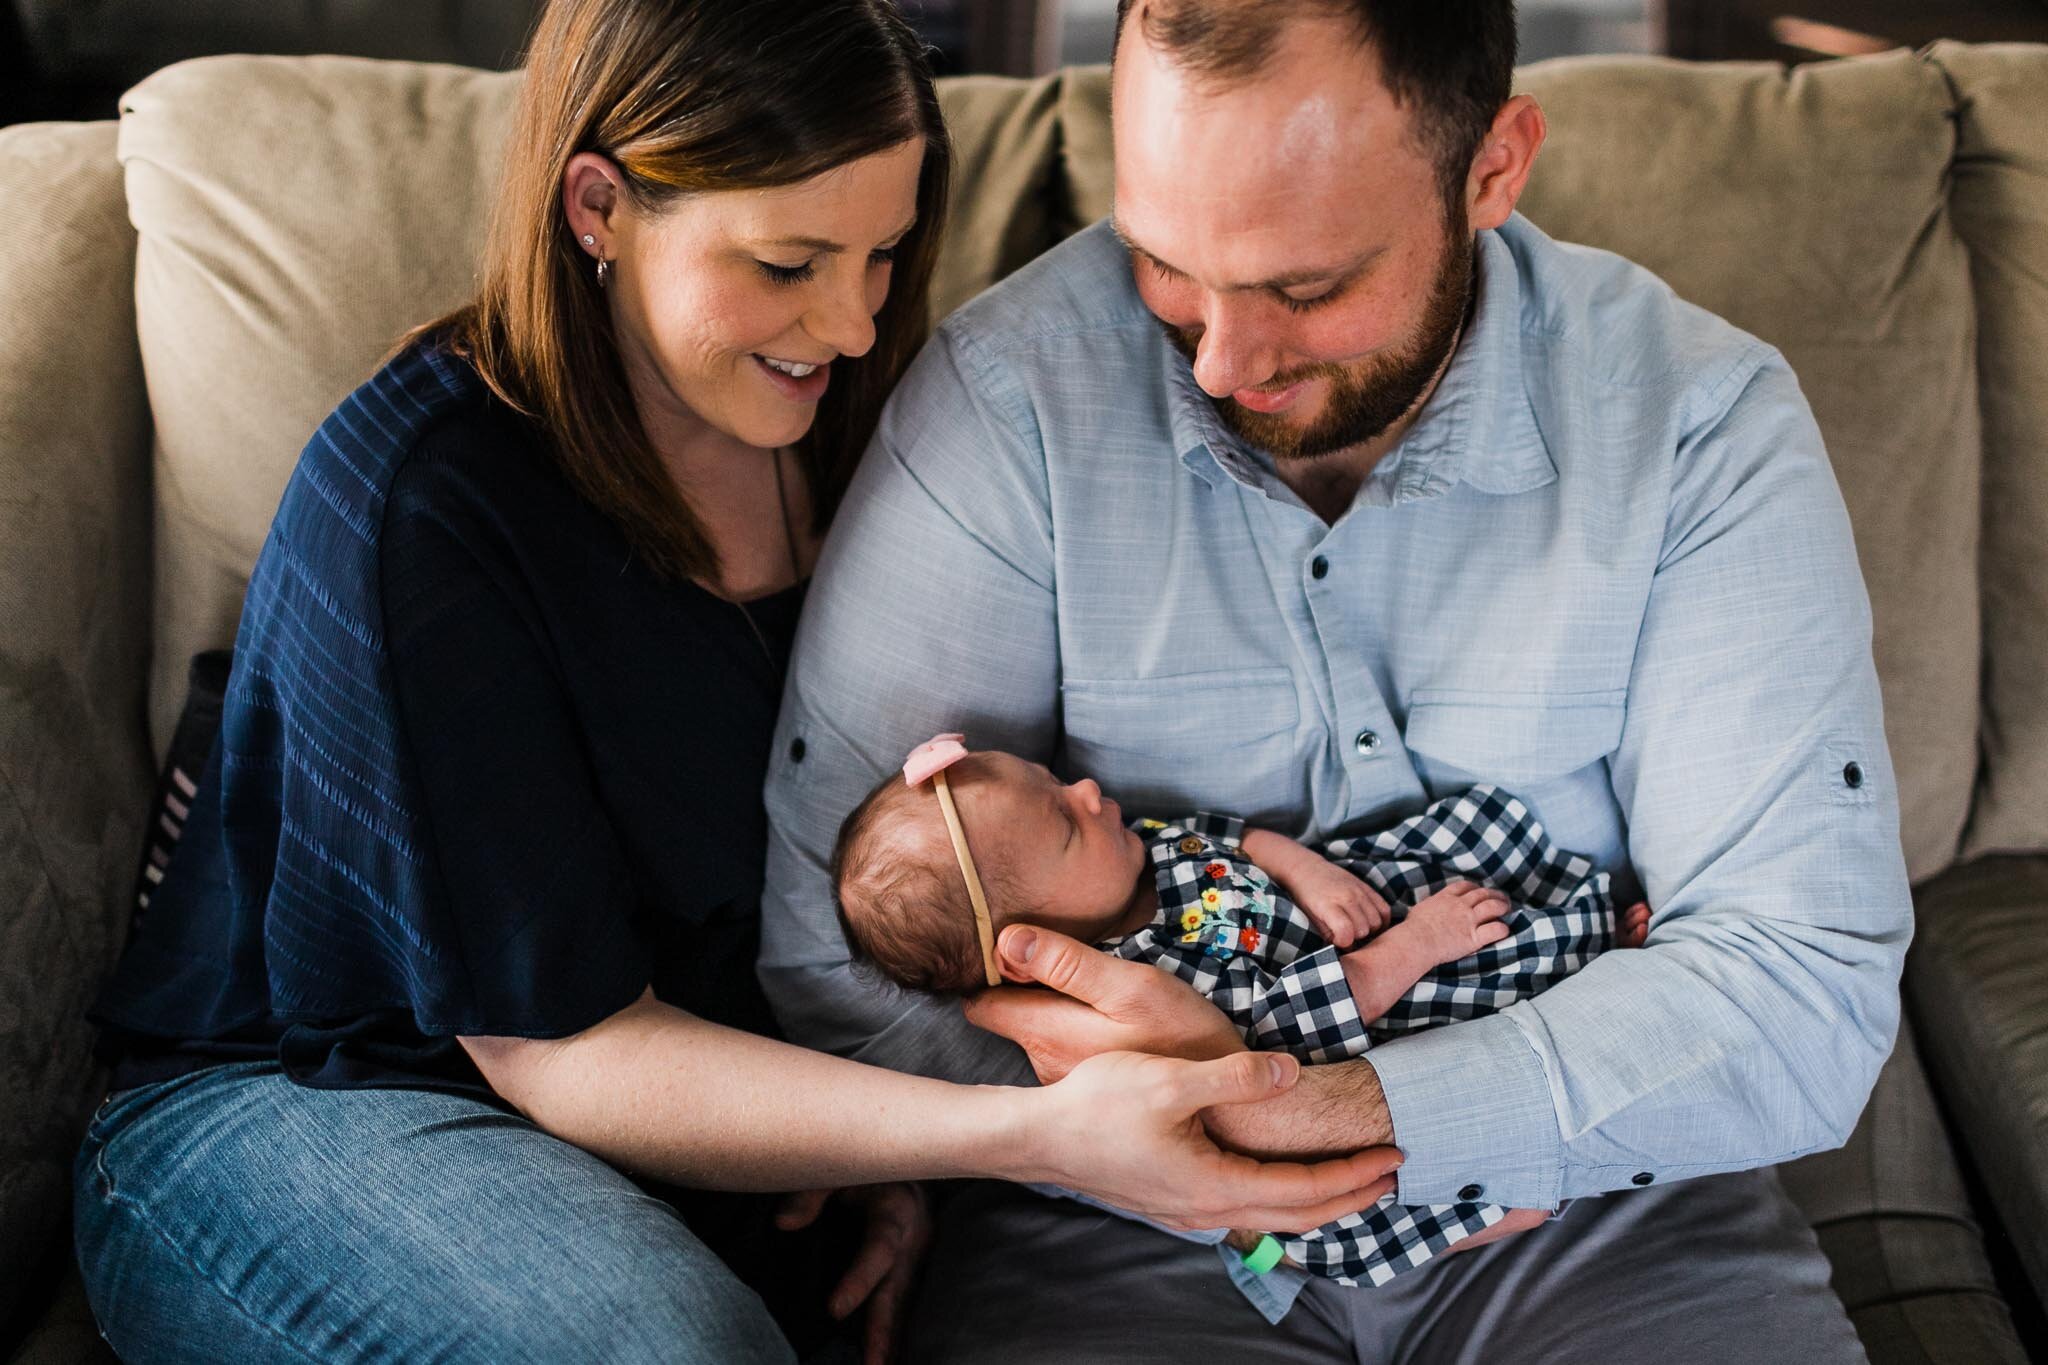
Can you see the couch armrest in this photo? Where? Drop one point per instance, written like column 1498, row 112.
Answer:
column 74, row 634
column 1892, row 1214
column 1977, row 987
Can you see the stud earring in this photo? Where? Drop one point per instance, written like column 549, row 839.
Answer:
column 589, row 240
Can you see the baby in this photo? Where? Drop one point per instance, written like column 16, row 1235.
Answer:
column 1455, row 912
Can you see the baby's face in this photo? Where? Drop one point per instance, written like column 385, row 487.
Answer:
column 1064, row 843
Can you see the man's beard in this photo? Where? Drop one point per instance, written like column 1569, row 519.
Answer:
column 1362, row 404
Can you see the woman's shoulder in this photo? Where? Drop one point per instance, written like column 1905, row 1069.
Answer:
column 381, row 422
column 452, row 447
column 420, row 454
column 424, row 404
column 477, row 480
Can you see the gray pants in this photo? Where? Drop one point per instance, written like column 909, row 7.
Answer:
column 1714, row 1270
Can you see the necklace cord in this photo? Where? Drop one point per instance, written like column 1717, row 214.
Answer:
column 795, row 567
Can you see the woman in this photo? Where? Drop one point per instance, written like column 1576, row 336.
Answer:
column 446, row 1009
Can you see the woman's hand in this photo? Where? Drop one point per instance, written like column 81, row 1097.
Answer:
column 899, row 1225
column 1103, row 1004
column 1126, row 1128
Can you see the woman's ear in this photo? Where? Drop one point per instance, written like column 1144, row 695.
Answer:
column 593, row 190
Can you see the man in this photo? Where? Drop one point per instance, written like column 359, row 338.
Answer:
column 1316, row 485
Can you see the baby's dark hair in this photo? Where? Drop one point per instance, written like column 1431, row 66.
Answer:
column 903, row 902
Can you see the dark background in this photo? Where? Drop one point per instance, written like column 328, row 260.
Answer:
column 71, row 59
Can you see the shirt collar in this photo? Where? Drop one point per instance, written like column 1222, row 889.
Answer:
column 1477, row 429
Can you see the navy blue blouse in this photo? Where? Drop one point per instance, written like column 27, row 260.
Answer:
column 480, row 771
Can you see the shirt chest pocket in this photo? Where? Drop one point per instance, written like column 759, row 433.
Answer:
column 1515, row 741
column 1221, row 741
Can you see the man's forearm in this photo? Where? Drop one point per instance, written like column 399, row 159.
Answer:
column 1337, row 1108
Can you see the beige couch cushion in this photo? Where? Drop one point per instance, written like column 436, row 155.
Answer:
column 295, row 216
column 2000, row 204
column 74, row 764
column 1005, row 165
column 1810, row 211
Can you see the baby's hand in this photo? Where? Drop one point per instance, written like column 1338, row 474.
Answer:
column 1633, row 928
column 1457, row 921
column 1343, row 908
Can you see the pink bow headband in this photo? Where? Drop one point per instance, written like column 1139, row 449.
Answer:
column 929, row 761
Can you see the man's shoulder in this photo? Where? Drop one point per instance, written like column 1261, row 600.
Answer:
column 1615, row 324
column 1081, row 286
column 1007, row 361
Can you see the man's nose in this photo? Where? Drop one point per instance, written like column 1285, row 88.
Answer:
column 1231, row 354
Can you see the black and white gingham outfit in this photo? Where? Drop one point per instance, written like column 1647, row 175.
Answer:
column 1225, row 929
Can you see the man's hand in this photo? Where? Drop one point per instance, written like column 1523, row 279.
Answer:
column 1102, row 1004
column 1126, row 1129
column 899, row 1225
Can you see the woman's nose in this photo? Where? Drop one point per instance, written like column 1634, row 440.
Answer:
column 842, row 320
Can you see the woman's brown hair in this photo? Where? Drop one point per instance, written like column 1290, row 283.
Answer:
column 689, row 97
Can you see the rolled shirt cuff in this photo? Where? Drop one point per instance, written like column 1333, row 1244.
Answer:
column 1473, row 1116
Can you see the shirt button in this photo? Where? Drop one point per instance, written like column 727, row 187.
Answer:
column 1367, row 743
column 796, row 749
column 1471, row 1192
column 1319, row 567
column 1642, row 1177
column 1853, row 775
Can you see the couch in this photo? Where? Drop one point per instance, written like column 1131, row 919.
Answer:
column 185, row 292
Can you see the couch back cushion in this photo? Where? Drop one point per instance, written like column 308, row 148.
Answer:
column 2001, row 208
column 294, row 217
column 1810, row 210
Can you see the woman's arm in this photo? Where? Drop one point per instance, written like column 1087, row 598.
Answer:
column 655, row 1090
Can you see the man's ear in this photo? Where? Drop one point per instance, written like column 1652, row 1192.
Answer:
column 1501, row 168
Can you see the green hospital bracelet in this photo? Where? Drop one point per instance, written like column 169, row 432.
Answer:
column 1264, row 1256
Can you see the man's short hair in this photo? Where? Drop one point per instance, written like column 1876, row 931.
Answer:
column 1450, row 61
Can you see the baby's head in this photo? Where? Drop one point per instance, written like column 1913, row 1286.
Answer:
column 1048, row 852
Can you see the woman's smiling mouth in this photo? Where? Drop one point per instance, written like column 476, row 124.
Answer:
column 796, row 380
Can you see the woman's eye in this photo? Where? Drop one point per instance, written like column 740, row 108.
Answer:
column 787, row 274
column 884, row 256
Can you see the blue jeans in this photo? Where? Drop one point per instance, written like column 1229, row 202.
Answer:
column 233, row 1215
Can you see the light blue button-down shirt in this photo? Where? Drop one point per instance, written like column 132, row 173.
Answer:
column 1608, row 569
